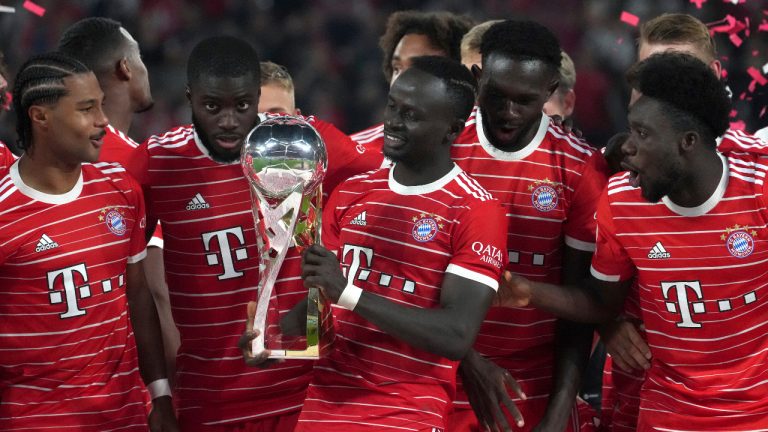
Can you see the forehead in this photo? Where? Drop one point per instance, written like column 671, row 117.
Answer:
column 646, row 110
column 648, row 49
column 419, row 88
column 504, row 71
column 414, row 45
column 207, row 85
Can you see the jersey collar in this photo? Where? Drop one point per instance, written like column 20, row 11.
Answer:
column 401, row 189
column 35, row 194
column 514, row 155
column 710, row 203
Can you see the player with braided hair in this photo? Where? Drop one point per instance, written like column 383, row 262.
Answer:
column 71, row 251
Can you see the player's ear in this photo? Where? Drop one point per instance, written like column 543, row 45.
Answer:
column 123, row 69
column 688, row 141
column 38, row 114
column 456, row 127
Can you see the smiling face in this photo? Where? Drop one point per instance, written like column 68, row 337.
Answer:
column 512, row 95
column 417, row 119
column 74, row 125
column 651, row 152
column 224, row 110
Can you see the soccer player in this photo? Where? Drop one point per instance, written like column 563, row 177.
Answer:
column 109, row 50
column 548, row 181
column 412, row 34
column 277, row 91
column 113, row 55
column 71, row 251
column 195, row 186
column 421, row 244
column 688, row 221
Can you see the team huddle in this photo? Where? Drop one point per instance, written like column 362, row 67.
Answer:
column 473, row 245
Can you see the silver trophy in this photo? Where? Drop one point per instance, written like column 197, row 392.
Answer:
column 285, row 160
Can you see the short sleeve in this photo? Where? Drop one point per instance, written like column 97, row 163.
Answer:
column 138, row 164
column 479, row 243
column 580, row 227
column 138, row 245
column 610, row 263
column 345, row 157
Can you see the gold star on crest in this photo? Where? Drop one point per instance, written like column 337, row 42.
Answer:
column 557, row 186
column 736, row 228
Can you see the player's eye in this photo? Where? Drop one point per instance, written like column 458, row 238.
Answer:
column 243, row 105
column 210, row 106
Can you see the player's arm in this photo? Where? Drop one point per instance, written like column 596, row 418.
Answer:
column 573, row 342
column 448, row 331
column 149, row 343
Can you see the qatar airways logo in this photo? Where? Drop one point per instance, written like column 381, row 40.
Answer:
column 488, row 253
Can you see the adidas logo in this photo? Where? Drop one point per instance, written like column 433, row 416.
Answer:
column 45, row 243
column 359, row 220
column 198, row 203
column 658, row 252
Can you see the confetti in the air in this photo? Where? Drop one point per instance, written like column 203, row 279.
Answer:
column 7, row 9
column 698, row 3
column 34, row 8
column 765, row 69
column 629, row 18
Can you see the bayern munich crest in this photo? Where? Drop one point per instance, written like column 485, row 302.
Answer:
column 426, row 228
column 115, row 220
column 545, row 194
column 739, row 241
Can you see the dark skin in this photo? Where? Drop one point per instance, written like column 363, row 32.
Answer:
column 512, row 95
column 419, row 127
column 652, row 139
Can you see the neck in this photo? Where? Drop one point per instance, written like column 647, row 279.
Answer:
column 410, row 174
column 700, row 182
column 47, row 173
column 118, row 108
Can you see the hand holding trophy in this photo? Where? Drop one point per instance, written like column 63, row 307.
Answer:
column 284, row 160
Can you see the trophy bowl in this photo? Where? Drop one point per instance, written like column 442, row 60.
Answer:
column 282, row 155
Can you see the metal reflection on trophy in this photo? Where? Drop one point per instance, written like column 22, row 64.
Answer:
column 284, row 160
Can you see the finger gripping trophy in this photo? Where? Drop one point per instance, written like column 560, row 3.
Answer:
column 284, row 160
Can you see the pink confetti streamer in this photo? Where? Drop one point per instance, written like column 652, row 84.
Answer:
column 629, row 18
column 698, row 3
column 34, row 8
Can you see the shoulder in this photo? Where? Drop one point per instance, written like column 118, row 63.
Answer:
column 172, row 139
column 569, row 143
column 740, row 141
column 368, row 135
column 118, row 136
column 112, row 172
column 365, row 181
column 619, row 189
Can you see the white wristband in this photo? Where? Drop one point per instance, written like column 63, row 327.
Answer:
column 159, row 388
column 349, row 297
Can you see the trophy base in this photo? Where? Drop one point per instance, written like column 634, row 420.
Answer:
column 311, row 353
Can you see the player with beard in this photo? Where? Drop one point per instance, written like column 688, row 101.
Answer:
column 687, row 220
column 411, row 34
column 195, row 186
column 77, row 320
column 548, row 181
column 421, row 244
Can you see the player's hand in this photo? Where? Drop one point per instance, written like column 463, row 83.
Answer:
column 625, row 345
column 613, row 154
column 162, row 418
column 320, row 268
column 245, row 343
column 566, row 124
column 514, row 291
column 486, row 386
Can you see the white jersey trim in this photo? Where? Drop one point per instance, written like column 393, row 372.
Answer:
column 138, row 257
column 580, row 245
column 603, row 276
column 710, row 203
column 473, row 275
column 205, row 151
column 515, row 155
column 436, row 185
column 42, row 196
column 763, row 134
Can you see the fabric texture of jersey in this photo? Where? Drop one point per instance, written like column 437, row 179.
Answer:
column 68, row 356
column 549, row 190
column 702, row 298
column 6, row 157
column 398, row 242
column 211, row 262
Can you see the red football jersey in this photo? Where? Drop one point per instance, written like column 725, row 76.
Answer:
column 371, row 139
column 549, row 190
column 701, row 273
column 6, row 157
column 117, row 147
column 67, row 353
column 398, row 242
column 211, row 263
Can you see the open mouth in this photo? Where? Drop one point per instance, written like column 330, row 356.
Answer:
column 228, row 141
column 393, row 141
column 98, row 139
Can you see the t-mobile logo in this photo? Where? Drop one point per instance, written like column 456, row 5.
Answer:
column 684, row 306
column 224, row 255
column 71, row 290
column 357, row 253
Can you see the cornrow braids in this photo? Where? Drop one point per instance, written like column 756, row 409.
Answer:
column 40, row 81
